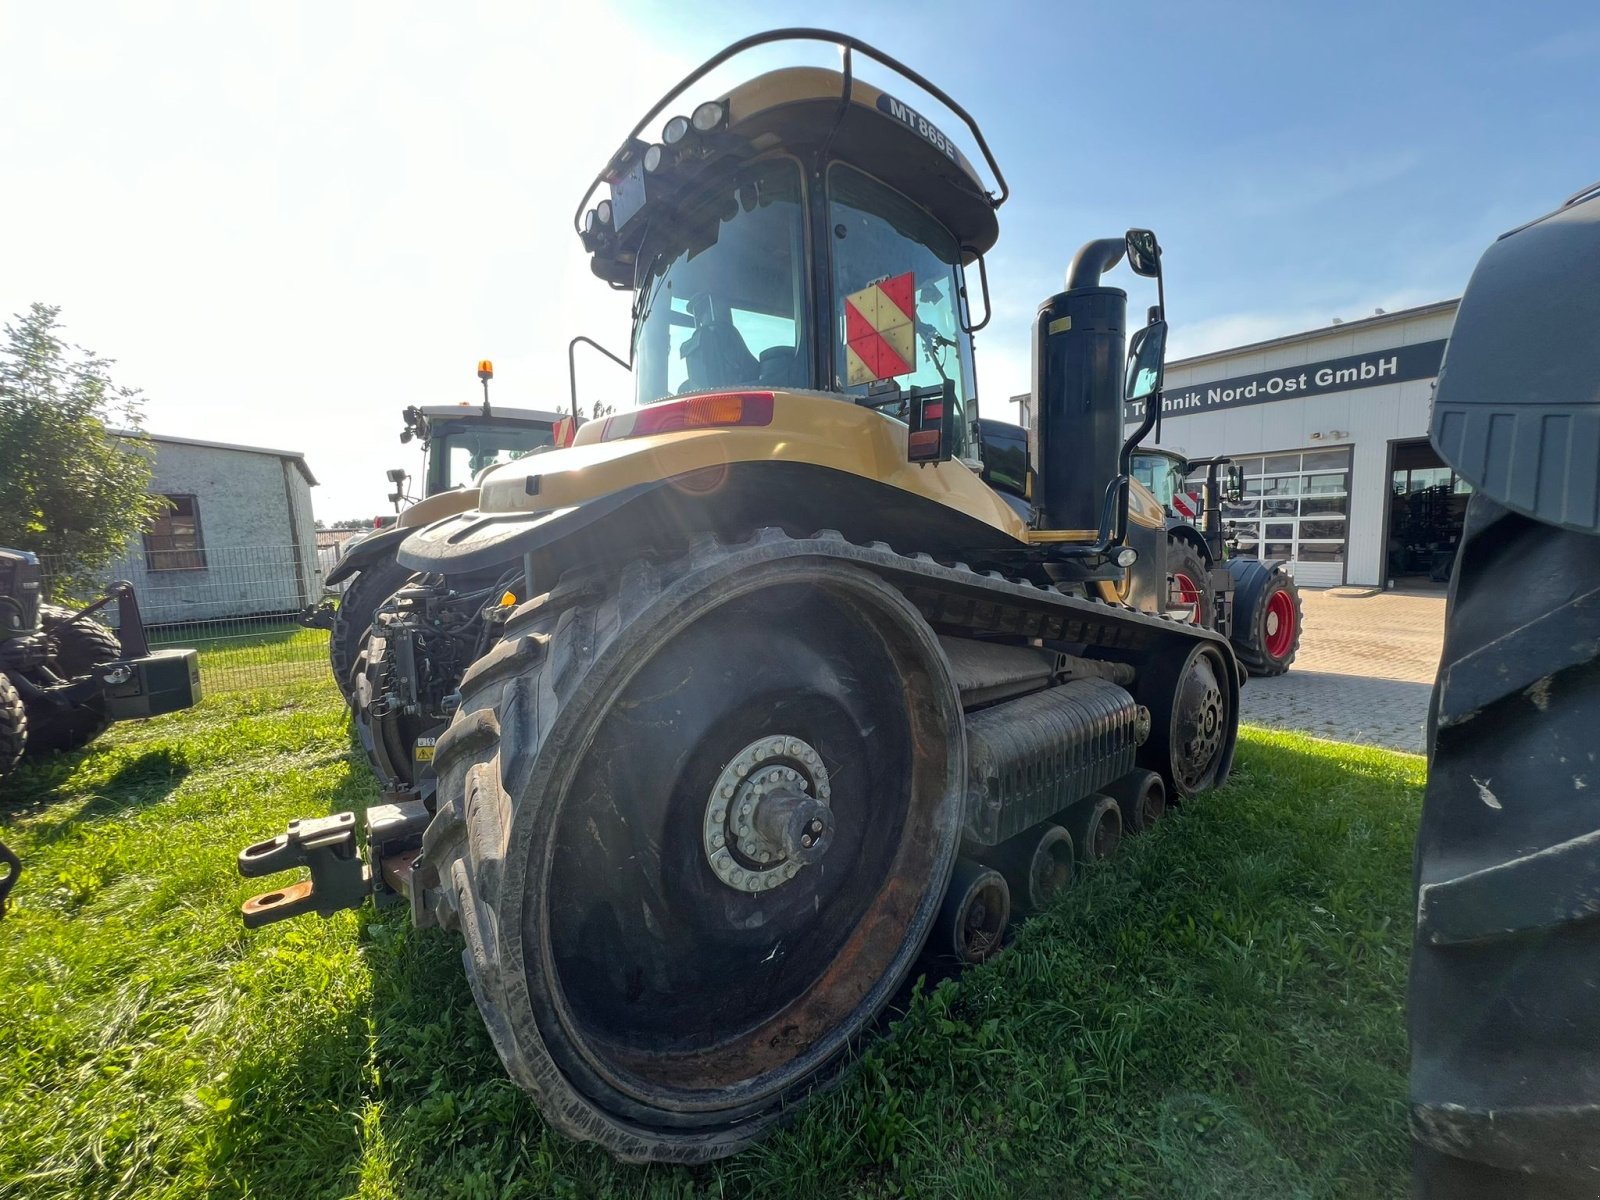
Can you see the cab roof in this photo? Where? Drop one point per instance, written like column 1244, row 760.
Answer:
column 803, row 111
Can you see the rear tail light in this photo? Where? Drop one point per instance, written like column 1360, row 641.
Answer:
column 719, row 410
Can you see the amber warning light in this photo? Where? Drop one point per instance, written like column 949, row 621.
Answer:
column 485, row 369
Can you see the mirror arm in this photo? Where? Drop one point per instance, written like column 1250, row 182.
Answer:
column 572, row 369
column 988, row 309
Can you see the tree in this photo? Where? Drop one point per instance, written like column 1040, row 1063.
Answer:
column 69, row 487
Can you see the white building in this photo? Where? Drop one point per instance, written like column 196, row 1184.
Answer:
column 1330, row 428
column 235, row 537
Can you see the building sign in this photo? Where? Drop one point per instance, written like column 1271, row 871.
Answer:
column 1314, row 379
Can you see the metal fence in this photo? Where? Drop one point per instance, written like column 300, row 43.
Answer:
column 237, row 605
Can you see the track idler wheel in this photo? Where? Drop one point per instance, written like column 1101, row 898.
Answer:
column 972, row 921
column 1194, row 719
column 1038, row 864
column 1095, row 823
column 1142, row 798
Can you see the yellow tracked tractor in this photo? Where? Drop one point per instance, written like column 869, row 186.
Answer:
column 701, row 730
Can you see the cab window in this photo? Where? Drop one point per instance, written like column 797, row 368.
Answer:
column 878, row 235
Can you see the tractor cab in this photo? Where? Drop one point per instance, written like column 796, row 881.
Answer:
column 460, row 441
column 806, row 231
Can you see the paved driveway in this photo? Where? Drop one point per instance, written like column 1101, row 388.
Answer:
column 1364, row 673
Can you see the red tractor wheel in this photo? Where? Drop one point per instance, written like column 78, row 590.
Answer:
column 1267, row 618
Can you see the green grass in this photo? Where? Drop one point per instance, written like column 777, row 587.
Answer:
column 1216, row 1013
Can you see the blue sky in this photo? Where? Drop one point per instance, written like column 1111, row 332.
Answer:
column 287, row 222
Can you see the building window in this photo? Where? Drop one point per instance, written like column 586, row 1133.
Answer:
column 173, row 541
column 1295, row 507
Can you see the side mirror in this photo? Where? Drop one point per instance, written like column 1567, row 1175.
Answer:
column 1144, row 253
column 1146, row 361
column 1235, row 485
column 395, row 474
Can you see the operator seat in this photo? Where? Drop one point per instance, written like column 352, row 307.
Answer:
column 715, row 353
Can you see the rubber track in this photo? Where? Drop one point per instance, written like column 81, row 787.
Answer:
column 1505, row 1032
column 513, row 695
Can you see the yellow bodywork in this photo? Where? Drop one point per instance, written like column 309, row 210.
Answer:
column 806, row 428
column 811, row 429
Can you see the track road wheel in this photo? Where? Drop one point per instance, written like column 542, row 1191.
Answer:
column 972, row 920
column 1142, row 799
column 1194, row 719
column 13, row 727
column 1505, row 1031
column 1189, row 583
column 1095, row 823
column 1038, row 865
column 79, row 648
column 695, row 823
column 1267, row 616
column 372, row 585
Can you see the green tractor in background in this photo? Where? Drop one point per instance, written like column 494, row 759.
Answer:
column 1254, row 602
column 458, row 441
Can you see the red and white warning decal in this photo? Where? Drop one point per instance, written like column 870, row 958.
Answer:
column 880, row 330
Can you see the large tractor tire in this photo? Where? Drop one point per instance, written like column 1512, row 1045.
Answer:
column 372, row 585
column 1189, row 583
column 13, row 727
column 695, row 822
column 79, row 648
column 1505, row 1028
column 1267, row 616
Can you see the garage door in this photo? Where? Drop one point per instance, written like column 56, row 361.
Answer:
column 1296, row 507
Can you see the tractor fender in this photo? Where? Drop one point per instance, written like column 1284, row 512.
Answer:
column 364, row 553
column 1185, row 532
column 1250, row 576
column 731, row 503
column 376, row 545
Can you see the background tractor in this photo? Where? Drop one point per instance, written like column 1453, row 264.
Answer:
column 1255, row 603
column 458, row 442
column 1505, row 1032
column 65, row 677
column 702, row 730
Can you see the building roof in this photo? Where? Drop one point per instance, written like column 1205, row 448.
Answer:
column 1403, row 314
column 297, row 457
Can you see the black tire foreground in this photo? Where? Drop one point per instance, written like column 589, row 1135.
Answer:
column 79, row 647
column 371, row 586
column 1504, row 1019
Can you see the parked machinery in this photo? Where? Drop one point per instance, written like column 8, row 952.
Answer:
column 1505, row 1032
column 702, row 729
column 65, row 677
column 458, row 442
column 1255, row 602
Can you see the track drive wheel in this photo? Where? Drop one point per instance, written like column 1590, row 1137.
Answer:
column 372, row 585
column 13, row 726
column 1505, row 1032
column 1194, row 719
column 695, row 823
column 1267, row 616
column 79, row 648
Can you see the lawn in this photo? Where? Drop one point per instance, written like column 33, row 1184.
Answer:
column 1215, row 1013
